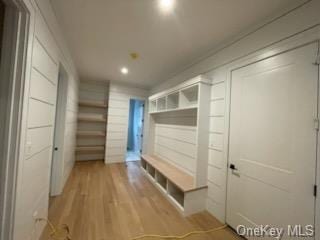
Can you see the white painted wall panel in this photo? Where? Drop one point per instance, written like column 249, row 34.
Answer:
column 116, row 136
column 216, row 141
column 217, row 124
column 122, row 128
column 42, row 89
column 118, row 118
column 217, row 108
column 40, row 114
column 186, row 134
column 179, row 146
column 218, row 91
column 113, row 111
column 38, row 139
column 215, row 175
column 119, row 103
column 44, row 63
column 178, row 159
column 216, row 158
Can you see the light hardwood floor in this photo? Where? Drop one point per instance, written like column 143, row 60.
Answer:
column 117, row 202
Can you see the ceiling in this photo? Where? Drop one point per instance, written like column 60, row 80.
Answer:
column 102, row 33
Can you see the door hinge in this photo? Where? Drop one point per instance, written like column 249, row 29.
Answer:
column 315, row 190
column 316, row 124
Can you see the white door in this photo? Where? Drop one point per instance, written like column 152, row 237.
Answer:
column 273, row 141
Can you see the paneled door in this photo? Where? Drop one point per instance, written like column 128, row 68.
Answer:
column 272, row 144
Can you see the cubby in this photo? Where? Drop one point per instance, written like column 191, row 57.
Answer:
column 161, row 180
column 173, row 101
column 161, row 104
column 189, row 97
column 151, row 171
column 153, row 106
column 176, row 194
column 144, row 164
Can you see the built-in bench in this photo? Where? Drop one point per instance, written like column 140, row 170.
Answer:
column 178, row 186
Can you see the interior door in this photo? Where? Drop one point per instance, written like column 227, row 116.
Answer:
column 272, row 145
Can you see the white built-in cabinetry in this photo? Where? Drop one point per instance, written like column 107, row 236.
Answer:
column 178, row 139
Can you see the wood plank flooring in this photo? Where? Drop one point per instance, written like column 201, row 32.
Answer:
column 117, row 202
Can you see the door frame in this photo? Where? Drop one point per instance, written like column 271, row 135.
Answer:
column 57, row 166
column 298, row 40
column 143, row 101
column 17, row 55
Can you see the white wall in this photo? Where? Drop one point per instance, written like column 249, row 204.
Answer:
column 263, row 40
column 46, row 52
column 118, row 119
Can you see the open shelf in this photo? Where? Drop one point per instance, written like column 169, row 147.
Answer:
column 84, row 134
column 92, row 104
column 161, row 104
column 143, row 164
column 189, row 96
column 151, row 171
column 153, row 106
column 161, row 180
column 173, row 101
column 176, row 194
column 89, row 149
column 91, row 118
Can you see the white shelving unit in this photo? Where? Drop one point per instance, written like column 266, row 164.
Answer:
column 179, row 136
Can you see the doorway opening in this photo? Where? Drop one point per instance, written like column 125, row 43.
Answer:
column 135, row 130
column 57, row 169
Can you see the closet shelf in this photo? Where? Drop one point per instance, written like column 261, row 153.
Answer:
column 92, row 119
column 83, row 134
column 92, row 104
column 175, row 109
column 90, row 149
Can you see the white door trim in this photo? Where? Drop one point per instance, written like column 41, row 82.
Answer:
column 317, row 204
column 57, row 166
column 19, row 47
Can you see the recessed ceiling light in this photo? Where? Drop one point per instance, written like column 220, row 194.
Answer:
column 166, row 5
column 124, row 70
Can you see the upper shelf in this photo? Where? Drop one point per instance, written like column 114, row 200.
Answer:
column 93, row 104
column 182, row 97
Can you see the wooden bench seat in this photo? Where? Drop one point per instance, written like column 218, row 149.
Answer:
column 180, row 179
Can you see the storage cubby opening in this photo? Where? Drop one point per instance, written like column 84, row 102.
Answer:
column 173, row 101
column 162, row 180
column 151, row 171
column 153, row 106
column 189, row 96
column 176, row 194
column 161, row 104
column 144, row 164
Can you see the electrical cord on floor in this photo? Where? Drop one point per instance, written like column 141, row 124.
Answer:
column 61, row 232
column 183, row 236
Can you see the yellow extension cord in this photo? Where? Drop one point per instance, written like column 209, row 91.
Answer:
column 62, row 233
column 183, row 236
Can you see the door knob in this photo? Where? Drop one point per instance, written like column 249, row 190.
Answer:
column 56, row 149
column 233, row 167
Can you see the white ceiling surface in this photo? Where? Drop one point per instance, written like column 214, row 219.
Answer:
column 102, row 33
